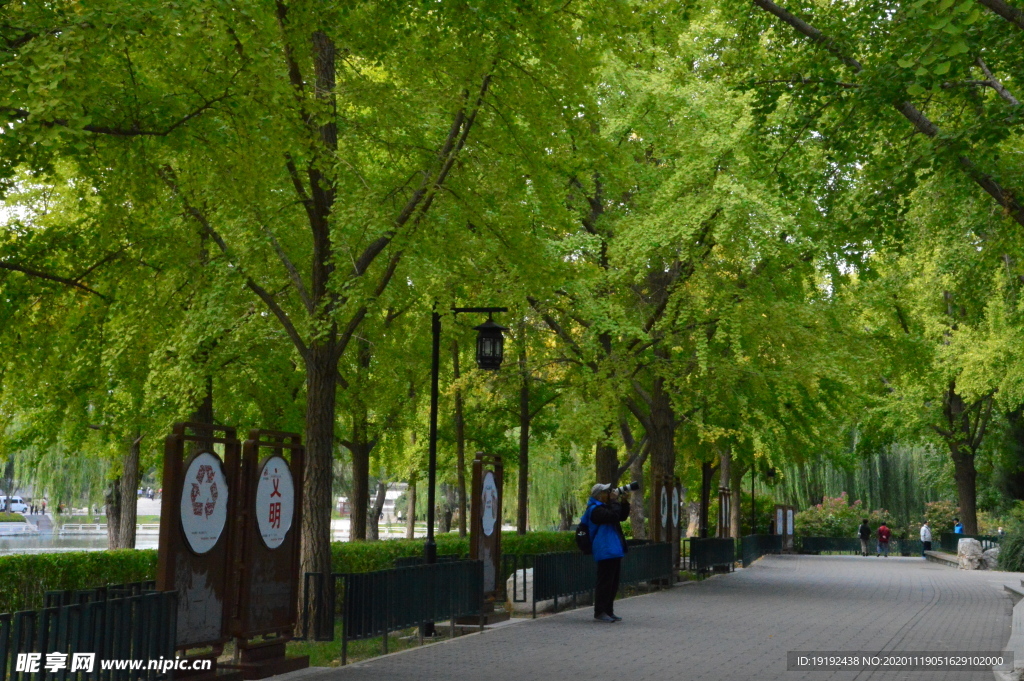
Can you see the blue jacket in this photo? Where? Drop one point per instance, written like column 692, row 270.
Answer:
column 605, row 531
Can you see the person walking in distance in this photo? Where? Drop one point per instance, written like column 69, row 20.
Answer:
column 958, row 527
column 926, row 539
column 604, row 515
column 864, row 531
column 884, row 535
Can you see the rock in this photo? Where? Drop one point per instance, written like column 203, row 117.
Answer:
column 991, row 558
column 969, row 555
column 519, row 587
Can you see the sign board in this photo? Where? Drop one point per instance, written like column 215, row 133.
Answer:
column 784, row 525
column 485, row 532
column 266, row 567
column 201, row 465
column 275, row 501
column 204, row 502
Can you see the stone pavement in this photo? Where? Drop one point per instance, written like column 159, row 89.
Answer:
column 733, row 627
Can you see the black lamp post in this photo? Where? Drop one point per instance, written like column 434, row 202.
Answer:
column 490, row 346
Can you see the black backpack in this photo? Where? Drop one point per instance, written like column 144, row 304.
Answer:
column 583, row 540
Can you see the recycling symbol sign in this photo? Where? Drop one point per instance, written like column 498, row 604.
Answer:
column 204, row 502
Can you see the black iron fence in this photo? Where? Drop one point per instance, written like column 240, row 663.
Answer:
column 570, row 574
column 372, row 604
column 705, row 554
column 949, row 541
column 818, row 545
column 829, row 544
column 91, row 634
column 412, row 561
column 753, row 546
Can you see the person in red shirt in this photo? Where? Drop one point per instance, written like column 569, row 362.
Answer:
column 884, row 535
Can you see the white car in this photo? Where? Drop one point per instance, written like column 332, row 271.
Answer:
column 13, row 504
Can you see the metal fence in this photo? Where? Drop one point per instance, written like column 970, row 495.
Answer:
column 412, row 561
column 949, row 541
column 570, row 574
column 372, row 604
column 828, row 544
column 707, row 553
column 753, row 546
column 124, row 622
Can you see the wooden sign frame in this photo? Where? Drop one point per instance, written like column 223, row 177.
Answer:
column 482, row 546
column 201, row 579
column 265, row 602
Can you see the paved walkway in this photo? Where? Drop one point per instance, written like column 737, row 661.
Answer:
column 734, row 627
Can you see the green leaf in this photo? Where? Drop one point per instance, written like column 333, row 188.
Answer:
column 941, row 69
column 915, row 90
column 905, row 62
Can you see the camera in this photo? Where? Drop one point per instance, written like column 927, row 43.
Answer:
column 631, row 487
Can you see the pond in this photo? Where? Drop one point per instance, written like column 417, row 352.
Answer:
column 47, row 542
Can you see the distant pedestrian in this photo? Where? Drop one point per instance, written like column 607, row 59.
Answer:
column 865, row 536
column 884, row 535
column 1000, row 532
column 926, row 538
column 958, row 527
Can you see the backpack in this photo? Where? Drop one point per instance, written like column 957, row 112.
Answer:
column 583, row 539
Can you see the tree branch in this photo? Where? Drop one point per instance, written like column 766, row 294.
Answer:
column 73, row 283
column 1006, row 11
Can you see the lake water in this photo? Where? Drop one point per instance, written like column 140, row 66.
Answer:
column 51, row 543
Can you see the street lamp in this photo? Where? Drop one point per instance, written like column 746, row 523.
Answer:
column 489, row 352
column 490, row 345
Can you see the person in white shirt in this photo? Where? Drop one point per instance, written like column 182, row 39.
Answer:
column 926, row 538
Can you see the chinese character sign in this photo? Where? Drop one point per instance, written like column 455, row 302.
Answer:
column 204, row 502
column 275, row 501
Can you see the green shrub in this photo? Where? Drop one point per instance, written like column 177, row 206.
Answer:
column 11, row 518
column 836, row 517
column 940, row 514
column 381, row 555
column 1011, row 549
column 25, row 579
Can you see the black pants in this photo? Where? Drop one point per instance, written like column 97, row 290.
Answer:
column 607, row 585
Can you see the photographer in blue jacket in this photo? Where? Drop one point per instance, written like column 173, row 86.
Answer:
column 606, row 510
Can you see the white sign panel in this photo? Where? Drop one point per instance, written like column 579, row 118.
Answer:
column 275, row 501
column 204, row 502
column 664, row 506
column 489, row 498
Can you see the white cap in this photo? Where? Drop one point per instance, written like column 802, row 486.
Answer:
column 599, row 487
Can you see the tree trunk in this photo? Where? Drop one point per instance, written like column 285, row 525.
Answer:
column 360, row 501
column 724, row 475
column 636, row 509
column 663, row 431
column 410, row 512
column 606, row 460
column 460, row 443
column 113, row 508
column 735, row 518
column 129, row 493
column 966, row 478
column 707, row 472
column 524, row 437
column 321, row 380
column 373, row 513
column 693, row 519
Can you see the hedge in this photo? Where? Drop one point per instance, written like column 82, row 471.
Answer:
column 24, row 579
column 381, row 555
column 11, row 518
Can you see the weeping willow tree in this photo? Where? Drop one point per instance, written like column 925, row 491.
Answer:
column 899, row 478
column 559, row 479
